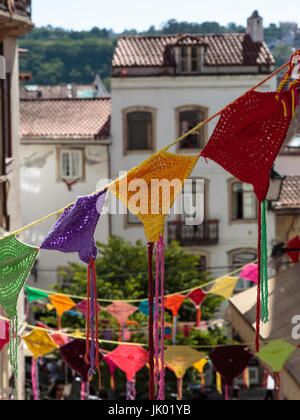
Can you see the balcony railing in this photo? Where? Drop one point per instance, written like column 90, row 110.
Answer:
column 205, row 234
column 20, row 7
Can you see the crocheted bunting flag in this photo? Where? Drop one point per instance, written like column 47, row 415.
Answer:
column 248, row 137
column 200, row 365
column 16, row 260
column 276, row 353
column 59, row 339
column 34, row 294
column 144, row 307
column 197, row 297
column 73, row 355
column 180, row 358
column 173, row 303
column 143, row 197
column 82, row 306
column 39, row 343
column 61, row 303
column 130, row 359
column 294, row 255
column 224, row 286
column 230, row 361
column 74, row 230
column 5, row 338
column 121, row 311
column 112, row 367
column 250, row 273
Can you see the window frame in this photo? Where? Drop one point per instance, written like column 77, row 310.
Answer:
column 59, row 277
column 231, row 255
column 129, row 224
column 60, row 151
column 189, row 59
column 152, row 146
column 184, row 108
column 231, row 220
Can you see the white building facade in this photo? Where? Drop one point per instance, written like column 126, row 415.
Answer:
column 64, row 154
column 14, row 23
column 161, row 87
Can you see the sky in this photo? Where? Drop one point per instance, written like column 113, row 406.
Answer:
column 141, row 14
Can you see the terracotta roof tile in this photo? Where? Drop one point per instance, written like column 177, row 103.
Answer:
column 65, row 118
column 290, row 194
column 222, row 50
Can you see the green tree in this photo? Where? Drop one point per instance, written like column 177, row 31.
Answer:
column 282, row 54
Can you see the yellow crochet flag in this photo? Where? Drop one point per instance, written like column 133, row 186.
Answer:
column 224, row 286
column 219, row 383
column 150, row 189
column 180, row 358
column 200, row 365
column 39, row 343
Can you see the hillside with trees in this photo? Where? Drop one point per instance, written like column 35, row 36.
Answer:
column 57, row 55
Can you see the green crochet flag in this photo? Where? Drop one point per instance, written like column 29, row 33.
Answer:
column 276, row 353
column 34, row 294
column 16, row 259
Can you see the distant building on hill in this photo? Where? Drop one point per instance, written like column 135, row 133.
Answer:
column 65, row 90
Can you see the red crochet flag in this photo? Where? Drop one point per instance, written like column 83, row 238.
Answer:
column 294, row 255
column 249, row 136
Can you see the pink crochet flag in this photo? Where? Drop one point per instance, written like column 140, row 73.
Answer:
column 2, row 329
column 130, row 359
column 250, row 273
column 121, row 311
column 5, row 336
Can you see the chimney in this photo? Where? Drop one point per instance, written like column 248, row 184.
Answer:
column 255, row 27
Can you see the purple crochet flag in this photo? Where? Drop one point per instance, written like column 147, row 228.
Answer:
column 74, row 230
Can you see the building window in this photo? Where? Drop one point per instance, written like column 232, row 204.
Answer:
column 244, row 205
column 189, row 59
column 194, row 200
column 71, row 164
column 202, row 265
column 139, row 129
column 132, row 219
column 64, row 277
column 188, row 118
column 238, row 259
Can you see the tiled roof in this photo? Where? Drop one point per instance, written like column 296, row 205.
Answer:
column 290, row 194
column 65, row 118
column 222, row 50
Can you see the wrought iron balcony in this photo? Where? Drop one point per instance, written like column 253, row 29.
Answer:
column 205, row 234
column 20, row 7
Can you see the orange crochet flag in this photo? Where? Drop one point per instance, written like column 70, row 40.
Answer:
column 61, row 303
column 140, row 191
column 173, row 303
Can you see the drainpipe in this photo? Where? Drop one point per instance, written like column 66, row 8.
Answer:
column 3, row 146
column 109, row 176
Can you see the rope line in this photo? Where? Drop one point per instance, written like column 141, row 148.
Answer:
column 188, row 133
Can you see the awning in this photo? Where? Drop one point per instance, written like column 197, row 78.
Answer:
column 284, row 305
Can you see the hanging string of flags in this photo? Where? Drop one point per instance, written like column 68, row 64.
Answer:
column 251, row 129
